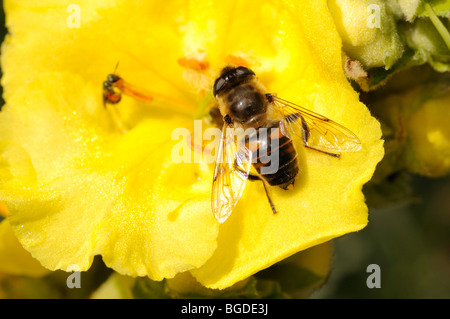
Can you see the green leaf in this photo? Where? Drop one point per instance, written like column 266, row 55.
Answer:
column 424, row 46
column 440, row 7
column 378, row 76
column 438, row 25
column 427, row 42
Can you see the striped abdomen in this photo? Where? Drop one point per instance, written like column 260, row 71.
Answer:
column 274, row 157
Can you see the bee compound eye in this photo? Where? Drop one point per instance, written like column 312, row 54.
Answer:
column 107, row 85
column 243, row 71
column 218, row 85
column 113, row 78
column 231, row 76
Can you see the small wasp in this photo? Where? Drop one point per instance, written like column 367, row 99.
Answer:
column 243, row 103
column 114, row 86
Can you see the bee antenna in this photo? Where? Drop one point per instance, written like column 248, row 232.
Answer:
column 115, row 69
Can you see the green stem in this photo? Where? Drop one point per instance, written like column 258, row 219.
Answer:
column 201, row 110
column 438, row 25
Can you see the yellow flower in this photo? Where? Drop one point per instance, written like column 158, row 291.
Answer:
column 14, row 259
column 76, row 187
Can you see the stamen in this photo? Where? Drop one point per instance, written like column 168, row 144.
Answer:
column 194, row 64
column 201, row 110
column 150, row 96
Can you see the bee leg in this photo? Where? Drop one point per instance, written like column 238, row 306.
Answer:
column 315, row 149
column 114, row 114
column 268, row 197
column 254, row 178
column 289, row 119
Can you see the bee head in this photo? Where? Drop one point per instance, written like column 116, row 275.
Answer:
column 112, row 78
column 231, row 77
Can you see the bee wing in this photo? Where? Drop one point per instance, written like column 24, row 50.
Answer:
column 316, row 131
column 133, row 91
column 233, row 164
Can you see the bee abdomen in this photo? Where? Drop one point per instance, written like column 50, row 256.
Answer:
column 276, row 160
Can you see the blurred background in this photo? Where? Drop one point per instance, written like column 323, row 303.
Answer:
column 410, row 241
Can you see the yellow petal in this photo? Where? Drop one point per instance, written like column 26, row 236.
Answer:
column 14, row 259
column 3, row 210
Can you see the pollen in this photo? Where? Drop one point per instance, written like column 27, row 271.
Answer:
column 197, row 72
column 236, row 61
column 193, row 64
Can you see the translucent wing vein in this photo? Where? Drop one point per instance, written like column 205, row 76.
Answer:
column 231, row 172
column 316, row 131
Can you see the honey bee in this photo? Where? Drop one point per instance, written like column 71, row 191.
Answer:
column 243, row 103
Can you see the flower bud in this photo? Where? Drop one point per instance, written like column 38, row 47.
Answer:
column 428, row 150
column 416, row 129
column 368, row 32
